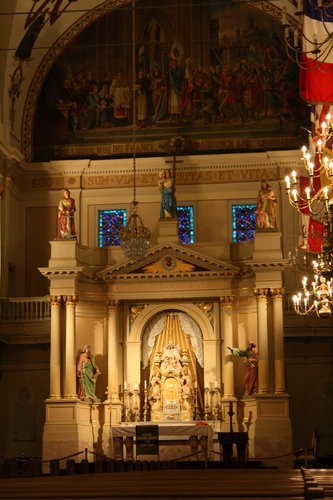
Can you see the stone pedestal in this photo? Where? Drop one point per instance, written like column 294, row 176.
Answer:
column 267, row 243
column 266, row 419
column 71, row 426
column 168, row 230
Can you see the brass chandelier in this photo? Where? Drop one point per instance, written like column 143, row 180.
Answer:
column 318, row 297
column 134, row 237
column 318, row 49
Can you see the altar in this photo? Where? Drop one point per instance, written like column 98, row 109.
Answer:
column 175, row 441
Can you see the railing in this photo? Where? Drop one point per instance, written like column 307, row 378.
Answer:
column 24, row 309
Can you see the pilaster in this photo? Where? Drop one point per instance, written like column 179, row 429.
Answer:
column 55, row 349
column 279, row 369
column 70, row 364
column 263, row 365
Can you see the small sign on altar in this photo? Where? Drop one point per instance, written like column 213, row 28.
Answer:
column 147, row 440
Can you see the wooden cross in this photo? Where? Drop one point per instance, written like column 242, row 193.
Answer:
column 174, row 161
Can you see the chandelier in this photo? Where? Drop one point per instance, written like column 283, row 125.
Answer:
column 319, row 296
column 318, row 203
column 134, row 237
column 316, row 48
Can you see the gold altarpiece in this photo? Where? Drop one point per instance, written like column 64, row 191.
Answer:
column 173, row 374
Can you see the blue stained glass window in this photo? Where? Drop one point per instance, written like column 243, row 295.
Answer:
column 185, row 218
column 243, row 223
column 110, row 223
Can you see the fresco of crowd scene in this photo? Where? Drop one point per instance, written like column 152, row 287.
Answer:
column 249, row 92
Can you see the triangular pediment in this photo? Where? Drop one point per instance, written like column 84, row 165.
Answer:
column 171, row 260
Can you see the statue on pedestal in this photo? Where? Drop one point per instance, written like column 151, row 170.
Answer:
column 266, row 207
column 66, row 215
column 251, row 374
column 168, row 195
column 87, row 371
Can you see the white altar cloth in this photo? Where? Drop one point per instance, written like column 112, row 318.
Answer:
column 168, row 432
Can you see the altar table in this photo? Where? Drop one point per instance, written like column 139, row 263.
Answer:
column 184, row 438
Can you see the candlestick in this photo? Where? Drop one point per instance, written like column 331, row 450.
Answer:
column 206, row 402
column 217, row 405
column 231, row 413
column 127, row 417
column 145, row 405
column 136, row 406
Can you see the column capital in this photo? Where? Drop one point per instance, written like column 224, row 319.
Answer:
column 260, row 294
column 277, row 293
column 55, row 300
column 70, row 300
column 112, row 305
column 227, row 301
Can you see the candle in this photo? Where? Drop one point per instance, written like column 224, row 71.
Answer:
column 315, row 42
column 195, row 384
column 216, row 384
column 206, row 384
column 135, row 386
column 308, row 157
column 287, row 182
column 125, row 385
column 293, row 175
column 307, row 190
column 284, row 16
column 145, row 384
column 299, row 6
column 304, row 152
column 296, row 38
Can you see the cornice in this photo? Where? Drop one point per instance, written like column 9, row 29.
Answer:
column 52, row 273
column 277, row 265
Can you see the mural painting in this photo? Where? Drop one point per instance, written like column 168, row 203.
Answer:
column 213, row 76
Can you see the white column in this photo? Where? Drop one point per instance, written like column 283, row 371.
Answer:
column 55, row 352
column 70, row 367
column 279, row 371
column 263, row 366
column 113, row 379
column 226, row 308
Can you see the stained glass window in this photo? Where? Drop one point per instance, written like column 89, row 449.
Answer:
column 110, row 223
column 243, row 223
column 185, row 218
